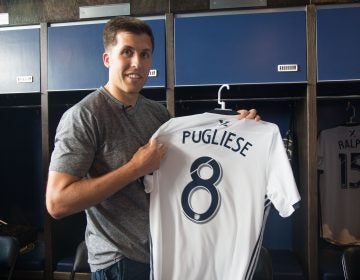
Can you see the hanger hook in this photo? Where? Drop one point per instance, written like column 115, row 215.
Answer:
column 222, row 103
column 352, row 107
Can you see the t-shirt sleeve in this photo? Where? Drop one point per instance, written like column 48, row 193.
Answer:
column 281, row 188
column 75, row 143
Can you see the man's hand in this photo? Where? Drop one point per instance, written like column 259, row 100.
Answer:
column 249, row 114
column 148, row 157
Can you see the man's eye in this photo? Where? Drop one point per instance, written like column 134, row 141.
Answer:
column 146, row 55
column 128, row 52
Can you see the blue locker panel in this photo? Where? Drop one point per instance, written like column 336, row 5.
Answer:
column 20, row 59
column 240, row 48
column 159, row 64
column 75, row 56
column 338, row 43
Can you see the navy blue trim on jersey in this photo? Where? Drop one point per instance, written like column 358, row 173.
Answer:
column 296, row 205
column 256, row 252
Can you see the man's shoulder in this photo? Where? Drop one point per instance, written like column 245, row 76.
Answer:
column 149, row 101
column 90, row 101
column 92, row 98
column 85, row 108
column 156, row 106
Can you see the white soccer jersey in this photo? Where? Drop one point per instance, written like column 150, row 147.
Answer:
column 210, row 198
column 339, row 184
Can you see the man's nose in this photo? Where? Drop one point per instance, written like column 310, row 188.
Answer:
column 135, row 61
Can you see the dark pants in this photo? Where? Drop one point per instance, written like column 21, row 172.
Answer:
column 124, row 269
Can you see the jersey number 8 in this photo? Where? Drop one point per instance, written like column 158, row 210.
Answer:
column 202, row 183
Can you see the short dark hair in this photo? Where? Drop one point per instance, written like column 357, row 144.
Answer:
column 127, row 24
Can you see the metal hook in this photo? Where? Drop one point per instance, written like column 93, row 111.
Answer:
column 352, row 107
column 222, row 103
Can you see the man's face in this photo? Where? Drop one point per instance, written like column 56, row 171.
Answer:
column 129, row 62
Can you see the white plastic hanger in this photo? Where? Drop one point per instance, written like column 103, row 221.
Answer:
column 222, row 103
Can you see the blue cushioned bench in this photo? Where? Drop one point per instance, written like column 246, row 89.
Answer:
column 65, row 264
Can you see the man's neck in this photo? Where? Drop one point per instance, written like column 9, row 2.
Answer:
column 128, row 99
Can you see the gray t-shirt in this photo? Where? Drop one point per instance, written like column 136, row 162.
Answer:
column 94, row 137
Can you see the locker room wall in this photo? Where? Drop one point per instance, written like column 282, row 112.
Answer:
column 337, row 42
column 20, row 59
column 22, row 196
column 22, row 200
column 208, row 50
column 338, row 92
column 35, row 11
column 75, row 55
column 20, row 121
column 325, row 107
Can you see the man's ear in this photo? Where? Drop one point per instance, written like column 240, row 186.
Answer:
column 106, row 58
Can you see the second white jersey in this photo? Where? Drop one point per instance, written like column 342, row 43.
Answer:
column 210, row 198
column 339, row 184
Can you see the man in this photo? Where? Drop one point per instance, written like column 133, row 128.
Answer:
column 102, row 151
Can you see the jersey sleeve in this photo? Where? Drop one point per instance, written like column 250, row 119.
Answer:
column 281, row 186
